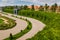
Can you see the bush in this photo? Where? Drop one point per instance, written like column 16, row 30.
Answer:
column 18, row 35
column 4, row 26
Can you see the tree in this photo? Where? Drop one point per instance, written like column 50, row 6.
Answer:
column 41, row 8
column 46, row 7
column 25, row 7
column 54, row 7
column 21, row 7
column 32, row 7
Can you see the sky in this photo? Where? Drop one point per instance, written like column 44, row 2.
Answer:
column 28, row 2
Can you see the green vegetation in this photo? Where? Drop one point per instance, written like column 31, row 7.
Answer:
column 10, row 23
column 1, row 20
column 22, row 32
column 52, row 21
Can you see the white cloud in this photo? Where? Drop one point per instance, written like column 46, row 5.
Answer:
column 12, row 2
column 7, row 2
column 4, row 0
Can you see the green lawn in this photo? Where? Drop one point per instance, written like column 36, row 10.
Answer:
column 4, row 26
column 22, row 32
column 1, row 20
column 52, row 21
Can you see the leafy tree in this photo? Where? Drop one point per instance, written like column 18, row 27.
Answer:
column 46, row 7
column 32, row 7
column 54, row 7
column 41, row 8
column 21, row 7
column 25, row 7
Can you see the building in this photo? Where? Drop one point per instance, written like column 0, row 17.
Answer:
column 35, row 7
column 58, row 9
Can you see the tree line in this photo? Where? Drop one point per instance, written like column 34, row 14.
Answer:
column 46, row 7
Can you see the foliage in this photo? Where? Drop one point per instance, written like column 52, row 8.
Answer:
column 25, row 7
column 52, row 21
column 46, row 7
column 54, row 7
column 22, row 32
column 32, row 7
column 41, row 8
column 1, row 20
column 11, row 37
column 4, row 26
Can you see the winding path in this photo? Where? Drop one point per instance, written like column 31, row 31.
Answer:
column 21, row 24
column 36, row 27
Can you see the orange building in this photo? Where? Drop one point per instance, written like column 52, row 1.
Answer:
column 35, row 7
column 58, row 9
column 49, row 8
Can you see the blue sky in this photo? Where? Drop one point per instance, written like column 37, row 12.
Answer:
column 28, row 2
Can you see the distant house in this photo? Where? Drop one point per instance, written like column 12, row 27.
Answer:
column 35, row 7
column 58, row 9
column 39, row 7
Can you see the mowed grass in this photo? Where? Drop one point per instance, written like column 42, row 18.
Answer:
column 1, row 20
column 4, row 26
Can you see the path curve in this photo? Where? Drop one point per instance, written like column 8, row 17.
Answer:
column 21, row 25
column 36, row 27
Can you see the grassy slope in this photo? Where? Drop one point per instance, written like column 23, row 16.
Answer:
column 52, row 21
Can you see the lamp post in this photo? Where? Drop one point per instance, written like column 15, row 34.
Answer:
column 1, row 9
column 15, row 10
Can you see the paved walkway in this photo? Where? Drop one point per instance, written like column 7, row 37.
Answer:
column 21, row 24
column 36, row 27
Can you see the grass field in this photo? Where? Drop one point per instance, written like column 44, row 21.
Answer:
column 3, row 26
column 52, row 21
column 1, row 20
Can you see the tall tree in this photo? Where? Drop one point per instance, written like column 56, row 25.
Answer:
column 21, row 7
column 46, row 7
column 33, row 7
column 54, row 7
column 25, row 7
column 41, row 8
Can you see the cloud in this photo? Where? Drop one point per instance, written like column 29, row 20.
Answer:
column 28, row 2
column 42, row 2
column 6, row 2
